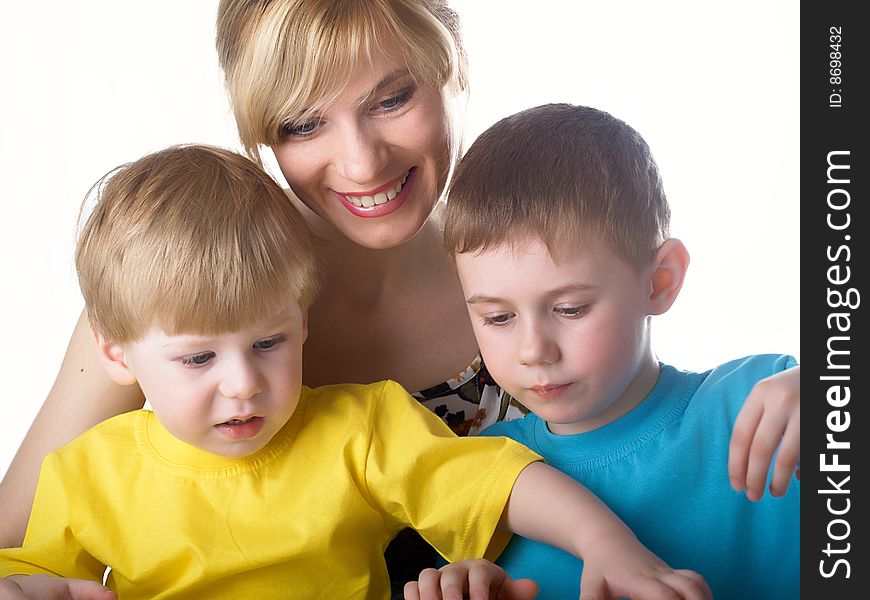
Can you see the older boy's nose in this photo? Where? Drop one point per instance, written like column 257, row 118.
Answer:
column 241, row 380
column 536, row 347
column 362, row 155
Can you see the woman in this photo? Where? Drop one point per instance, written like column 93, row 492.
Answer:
column 354, row 99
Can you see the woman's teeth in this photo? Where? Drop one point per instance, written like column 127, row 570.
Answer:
column 379, row 198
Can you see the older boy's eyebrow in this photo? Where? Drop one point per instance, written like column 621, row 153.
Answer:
column 565, row 289
column 573, row 287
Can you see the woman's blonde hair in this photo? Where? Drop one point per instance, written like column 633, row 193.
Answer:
column 286, row 60
column 193, row 239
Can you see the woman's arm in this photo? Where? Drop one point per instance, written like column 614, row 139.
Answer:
column 82, row 396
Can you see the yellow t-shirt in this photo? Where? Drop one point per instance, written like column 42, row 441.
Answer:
column 308, row 516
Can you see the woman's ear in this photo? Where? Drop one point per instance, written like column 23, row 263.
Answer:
column 668, row 273
column 114, row 360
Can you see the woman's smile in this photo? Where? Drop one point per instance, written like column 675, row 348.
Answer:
column 379, row 201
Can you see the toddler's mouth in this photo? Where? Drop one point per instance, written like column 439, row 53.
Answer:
column 241, row 428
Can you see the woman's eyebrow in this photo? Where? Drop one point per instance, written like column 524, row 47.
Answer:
column 384, row 82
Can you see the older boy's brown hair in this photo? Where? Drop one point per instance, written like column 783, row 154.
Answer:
column 193, row 239
column 559, row 173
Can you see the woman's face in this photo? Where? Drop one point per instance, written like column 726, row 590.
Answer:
column 375, row 161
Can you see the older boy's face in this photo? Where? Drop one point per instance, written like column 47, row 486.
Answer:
column 568, row 339
column 228, row 394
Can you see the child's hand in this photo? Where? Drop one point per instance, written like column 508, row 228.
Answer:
column 770, row 418
column 623, row 568
column 477, row 579
column 46, row 587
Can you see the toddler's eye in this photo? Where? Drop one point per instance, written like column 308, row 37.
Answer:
column 197, row 360
column 268, row 343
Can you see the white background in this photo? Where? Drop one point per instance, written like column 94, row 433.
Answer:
column 712, row 87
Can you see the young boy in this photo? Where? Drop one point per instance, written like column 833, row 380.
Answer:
column 559, row 227
column 196, row 273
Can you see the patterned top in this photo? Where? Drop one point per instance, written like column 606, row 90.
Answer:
column 470, row 401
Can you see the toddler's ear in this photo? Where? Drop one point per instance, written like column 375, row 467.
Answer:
column 114, row 360
column 668, row 274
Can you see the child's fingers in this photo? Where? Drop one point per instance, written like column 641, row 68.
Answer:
column 488, row 581
column 596, row 587
column 10, row 591
column 593, row 586
column 428, row 587
column 787, row 456
column 518, row 589
column 645, row 589
column 741, row 441
column 81, row 589
column 454, row 583
column 689, row 584
column 484, row 580
column 412, row 591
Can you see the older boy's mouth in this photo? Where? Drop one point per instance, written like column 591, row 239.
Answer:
column 549, row 391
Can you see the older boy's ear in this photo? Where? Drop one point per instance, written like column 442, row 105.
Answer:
column 668, row 274
column 114, row 360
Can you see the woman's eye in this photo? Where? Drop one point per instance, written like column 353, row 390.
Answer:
column 300, row 129
column 394, row 102
column 268, row 343
column 197, row 360
column 498, row 320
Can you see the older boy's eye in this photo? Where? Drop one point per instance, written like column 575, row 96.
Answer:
column 571, row 311
column 197, row 360
column 268, row 343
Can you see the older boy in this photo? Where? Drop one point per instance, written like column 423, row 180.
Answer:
column 559, row 226
column 196, row 273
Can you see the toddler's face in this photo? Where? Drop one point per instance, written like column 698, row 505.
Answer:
column 227, row 394
column 567, row 338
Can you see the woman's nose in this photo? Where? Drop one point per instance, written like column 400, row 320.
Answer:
column 363, row 154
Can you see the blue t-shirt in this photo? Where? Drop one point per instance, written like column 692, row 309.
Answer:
column 663, row 468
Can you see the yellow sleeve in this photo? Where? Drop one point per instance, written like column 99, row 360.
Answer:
column 451, row 489
column 50, row 545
